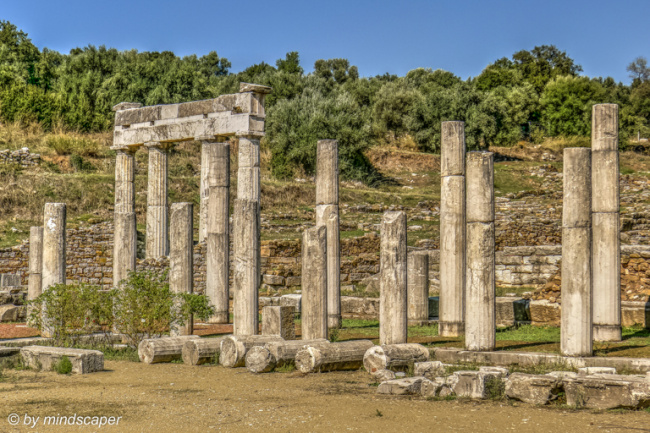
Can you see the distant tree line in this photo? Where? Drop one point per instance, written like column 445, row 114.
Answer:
column 535, row 94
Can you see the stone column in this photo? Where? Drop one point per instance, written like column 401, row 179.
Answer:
column 125, row 234
column 327, row 215
column 393, row 279
column 217, row 177
column 157, row 208
column 246, row 233
column 314, row 283
column 576, row 332
column 181, row 257
column 54, row 263
column 480, row 303
column 204, row 192
column 452, row 230
column 35, row 263
column 418, row 288
column 606, row 247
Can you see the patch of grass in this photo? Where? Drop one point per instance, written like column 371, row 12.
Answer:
column 63, row 366
column 121, row 354
column 378, row 413
column 286, row 368
column 496, row 388
column 530, row 333
column 352, row 234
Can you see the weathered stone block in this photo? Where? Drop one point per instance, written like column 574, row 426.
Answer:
column 44, row 358
column 472, row 384
column 279, row 321
column 532, row 388
column 273, row 280
column 407, row 386
column 429, row 369
column 292, row 300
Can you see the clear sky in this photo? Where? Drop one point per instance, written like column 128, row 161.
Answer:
column 376, row 35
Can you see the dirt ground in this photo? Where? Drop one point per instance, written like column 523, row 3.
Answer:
column 180, row 398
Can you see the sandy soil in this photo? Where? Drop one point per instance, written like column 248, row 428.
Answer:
column 179, row 398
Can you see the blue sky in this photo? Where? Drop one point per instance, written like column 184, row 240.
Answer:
column 377, row 36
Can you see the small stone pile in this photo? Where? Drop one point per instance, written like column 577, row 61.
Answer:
column 21, row 157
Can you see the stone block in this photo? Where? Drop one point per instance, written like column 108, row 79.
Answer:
column 432, row 387
column 279, row 321
column 532, row 388
column 10, row 280
column 44, row 358
column 273, row 280
column 510, row 311
column 429, row 369
column 293, row 281
column 545, row 313
column 12, row 313
column 607, row 392
column 292, row 300
column 596, row 370
column 406, row 386
column 472, row 384
column 359, row 308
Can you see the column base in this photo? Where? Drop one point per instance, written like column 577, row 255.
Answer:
column 334, row 321
column 607, row 333
column 451, row 329
column 220, row 317
column 421, row 322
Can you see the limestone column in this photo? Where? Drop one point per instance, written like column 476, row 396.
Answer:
column 54, row 263
column 204, row 193
column 246, row 233
column 480, row 302
column 35, row 287
column 327, row 215
column 606, row 247
column 125, row 231
column 418, row 288
column 181, row 257
column 576, row 332
column 314, row 283
column 452, row 230
column 393, row 279
column 217, row 177
column 157, row 207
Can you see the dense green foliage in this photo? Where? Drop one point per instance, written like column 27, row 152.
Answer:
column 534, row 94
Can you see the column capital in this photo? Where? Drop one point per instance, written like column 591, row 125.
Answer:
column 164, row 146
column 126, row 149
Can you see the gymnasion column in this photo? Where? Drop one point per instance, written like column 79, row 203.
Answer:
column 125, row 232
column 181, row 259
column 606, row 246
column 314, row 283
column 327, row 215
column 157, row 207
column 452, row 230
column 480, row 303
column 35, row 287
column 246, row 233
column 418, row 288
column 54, row 264
column 393, row 301
column 576, row 327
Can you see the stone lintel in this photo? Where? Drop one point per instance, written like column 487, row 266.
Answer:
column 255, row 88
column 126, row 106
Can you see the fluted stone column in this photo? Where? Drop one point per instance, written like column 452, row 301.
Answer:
column 125, row 234
column 327, row 215
column 452, row 230
column 480, row 303
column 418, row 288
column 35, row 287
column 217, row 177
column 246, row 233
column 314, row 283
column 181, row 257
column 606, row 246
column 157, row 207
column 576, row 332
column 54, row 258
column 393, row 301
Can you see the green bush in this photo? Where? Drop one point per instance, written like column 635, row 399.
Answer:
column 79, row 164
column 64, row 144
column 63, row 366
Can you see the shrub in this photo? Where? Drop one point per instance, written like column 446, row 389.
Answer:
column 79, row 164
column 64, row 144
column 64, row 366
column 70, row 311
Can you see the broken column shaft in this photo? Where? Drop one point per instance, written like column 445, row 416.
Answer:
column 35, row 263
column 181, row 258
column 217, row 285
column 418, row 288
column 157, row 207
column 125, row 233
column 327, row 215
column 606, row 247
column 314, row 283
column 480, row 303
column 452, row 230
column 576, row 332
column 54, row 254
column 393, row 279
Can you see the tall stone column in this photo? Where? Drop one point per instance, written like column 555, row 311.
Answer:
column 314, row 283
column 204, row 191
column 157, row 208
column 181, row 257
column 393, row 279
column 35, row 287
column 246, row 233
column 576, row 328
column 327, row 215
column 217, row 285
column 54, row 242
column 418, row 288
column 452, row 230
column 480, row 303
column 125, row 234
column 606, row 246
